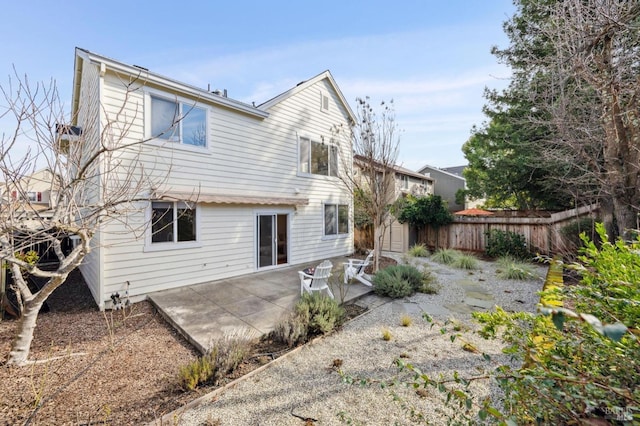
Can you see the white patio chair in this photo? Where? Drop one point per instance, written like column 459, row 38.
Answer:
column 318, row 280
column 354, row 269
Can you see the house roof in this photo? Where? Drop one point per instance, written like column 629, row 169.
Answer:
column 456, row 170
column 427, row 167
column 210, row 198
column 397, row 169
column 153, row 78
column 305, row 84
column 474, row 212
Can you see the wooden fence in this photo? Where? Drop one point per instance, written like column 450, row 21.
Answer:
column 543, row 234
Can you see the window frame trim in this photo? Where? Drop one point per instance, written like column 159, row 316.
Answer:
column 331, row 145
column 163, row 143
column 150, row 246
column 337, row 235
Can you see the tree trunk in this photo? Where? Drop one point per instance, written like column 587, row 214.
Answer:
column 377, row 245
column 21, row 346
column 626, row 218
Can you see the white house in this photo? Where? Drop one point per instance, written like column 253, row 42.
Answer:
column 36, row 190
column 245, row 188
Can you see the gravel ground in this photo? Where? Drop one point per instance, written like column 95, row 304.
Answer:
column 308, row 383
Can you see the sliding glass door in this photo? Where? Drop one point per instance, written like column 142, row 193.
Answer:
column 273, row 239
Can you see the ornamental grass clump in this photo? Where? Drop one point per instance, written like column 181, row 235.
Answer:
column 445, row 256
column 465, row 261
column 510, row 268
column 418, row 250
column 406, row 320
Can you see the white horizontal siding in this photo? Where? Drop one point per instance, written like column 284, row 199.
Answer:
column 88, row 118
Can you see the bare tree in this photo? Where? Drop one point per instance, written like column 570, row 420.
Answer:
column 590, row 68
column 95, row 179
column 599, row 42
column 375, row 143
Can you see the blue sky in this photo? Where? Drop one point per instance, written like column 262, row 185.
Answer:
column 432, row 57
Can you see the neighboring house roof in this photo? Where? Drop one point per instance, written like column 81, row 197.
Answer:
column 474, row 212
column 149, row 77
column 396, row 169
column 402, row 170
column 305, row 84
column 456, row 170
column 426, row 168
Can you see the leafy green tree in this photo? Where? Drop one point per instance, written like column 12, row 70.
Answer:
column 422, row 211
column 518, row 158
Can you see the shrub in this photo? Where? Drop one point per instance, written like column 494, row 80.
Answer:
column 224, row 356
column 418, row 250
column 429, row 284
column 291, row 331
column 579, row 365
column 397, row 281
column 323, row 312
column 465, row 261
column 513, row 269
column 506, row 243
column 314, row 314
column 445, row 256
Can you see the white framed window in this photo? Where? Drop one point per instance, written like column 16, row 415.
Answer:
column 34, row 196
column 404, row 182
column 178, row 121
column 336, row 219
column 173, row 223
column 317, row 158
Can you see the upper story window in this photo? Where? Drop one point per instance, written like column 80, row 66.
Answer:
column 31, row 196
column 176, row 121
column 336, row 219
column 318, row 158
column 404, row 182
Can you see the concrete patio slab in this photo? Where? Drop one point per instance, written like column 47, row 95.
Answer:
column 253, row 303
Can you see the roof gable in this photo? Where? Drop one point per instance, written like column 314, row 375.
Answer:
column 305, row 85
column 431, row 169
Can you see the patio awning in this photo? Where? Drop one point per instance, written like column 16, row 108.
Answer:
column 232, row 199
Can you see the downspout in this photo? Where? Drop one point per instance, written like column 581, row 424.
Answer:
column 98, row 235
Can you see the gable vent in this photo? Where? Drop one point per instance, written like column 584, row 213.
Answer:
column 324, row 102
